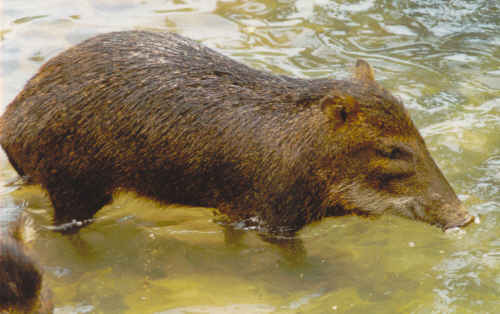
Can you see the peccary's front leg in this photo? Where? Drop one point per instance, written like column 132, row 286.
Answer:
column 291, row 247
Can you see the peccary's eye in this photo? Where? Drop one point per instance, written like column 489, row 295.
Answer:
column 396, row 152
column 396, row 162
column 343, row 114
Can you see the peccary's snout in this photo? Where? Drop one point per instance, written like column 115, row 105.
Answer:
column 465, row 221
column 453, row 216
column 441, row 204
column 446, row 210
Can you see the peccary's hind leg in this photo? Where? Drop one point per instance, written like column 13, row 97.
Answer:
column 23, row 178
column 13, row 163
column 75, row 202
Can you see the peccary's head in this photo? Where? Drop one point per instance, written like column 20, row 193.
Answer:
column 383, row 163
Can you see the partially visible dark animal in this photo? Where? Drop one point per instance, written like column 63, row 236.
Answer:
column 20, row 278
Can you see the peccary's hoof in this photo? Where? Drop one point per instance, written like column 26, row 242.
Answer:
column 70, row 227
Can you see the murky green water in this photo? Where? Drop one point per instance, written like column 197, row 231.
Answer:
column 441, row 57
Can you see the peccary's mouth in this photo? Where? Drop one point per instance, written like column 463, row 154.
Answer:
column 444, row 216
column 413, row 209
column 465, row 222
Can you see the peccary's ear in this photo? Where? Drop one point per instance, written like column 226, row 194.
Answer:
column 334, row 109
column 364, row 72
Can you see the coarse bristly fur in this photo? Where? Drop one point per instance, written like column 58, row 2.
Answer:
column 175, row 121
column 20, row 277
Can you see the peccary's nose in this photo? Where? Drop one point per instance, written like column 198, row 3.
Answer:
column 468, row 219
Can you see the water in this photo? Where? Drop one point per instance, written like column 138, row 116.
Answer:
column 441, row 57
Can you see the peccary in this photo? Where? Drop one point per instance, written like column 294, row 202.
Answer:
column 21, row 288
column 172, row 120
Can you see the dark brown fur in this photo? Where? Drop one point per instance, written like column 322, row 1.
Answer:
column 162, row 115
column 20, row 278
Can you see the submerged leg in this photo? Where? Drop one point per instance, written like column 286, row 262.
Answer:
column 291, row 247
column 233, row 237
